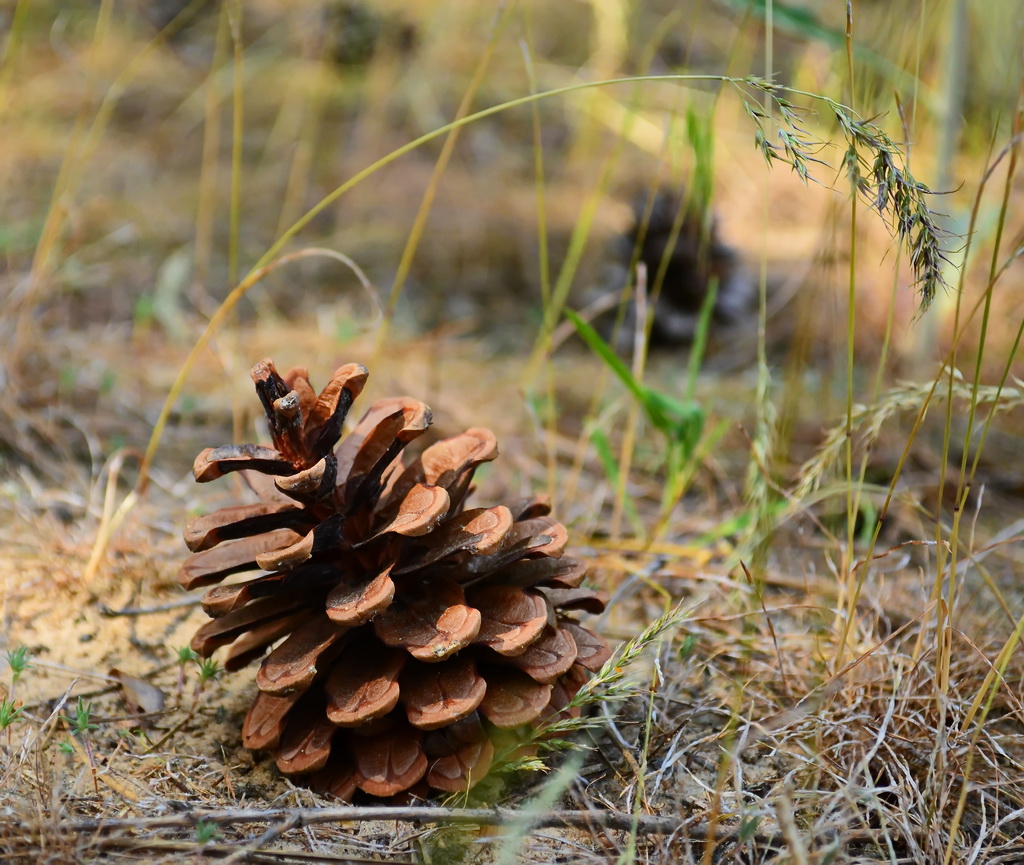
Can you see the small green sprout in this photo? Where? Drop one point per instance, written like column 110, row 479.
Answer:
column 748, row 827
column 66, row 748
column 687, row 647
column 206, row 832
column 208, row 669
column 186, row 655
column 18, row 661
column 82, row 722
column 9, row 713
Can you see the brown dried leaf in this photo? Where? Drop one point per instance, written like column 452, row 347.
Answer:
column 438, row 694
column 139, row 695
column 428, row 618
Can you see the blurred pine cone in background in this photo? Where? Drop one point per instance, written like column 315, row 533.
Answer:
column 694, row 257
column 407, row 627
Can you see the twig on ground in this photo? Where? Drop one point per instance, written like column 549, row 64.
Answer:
column 260, row 857
column 143, row 611
column 648, row 824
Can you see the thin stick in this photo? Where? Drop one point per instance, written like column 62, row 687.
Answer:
column 270, row 857
column 650, row 825
column 110, row 613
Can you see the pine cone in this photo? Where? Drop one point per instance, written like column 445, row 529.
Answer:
column 411, row 626
column 694, row 260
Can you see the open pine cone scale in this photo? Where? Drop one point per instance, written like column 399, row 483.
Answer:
column 397, row 628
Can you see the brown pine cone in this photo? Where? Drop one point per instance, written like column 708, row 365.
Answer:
column 405, row 627
column 692, row 258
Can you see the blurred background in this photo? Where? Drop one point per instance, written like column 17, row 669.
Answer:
column 124, row 122
column 154, row 152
